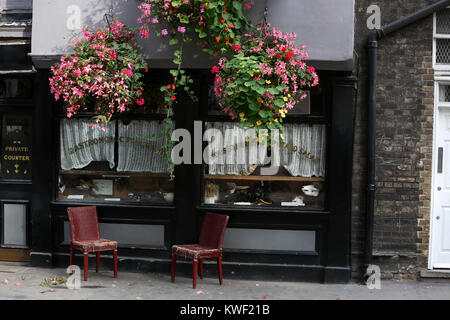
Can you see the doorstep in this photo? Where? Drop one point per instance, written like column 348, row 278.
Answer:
column 439, row 275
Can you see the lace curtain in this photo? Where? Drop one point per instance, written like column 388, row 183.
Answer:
column 140, row 144
column 302, row 153
column 81, row 144
column 303, row 150
column 232, row 156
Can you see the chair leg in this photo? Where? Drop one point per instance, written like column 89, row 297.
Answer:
column 219, row 269
column 86, row 263
column 194, row 273
column 201, row 268
column 173, row 267
column 71, row 256
column 98, row 261
column 115, row 263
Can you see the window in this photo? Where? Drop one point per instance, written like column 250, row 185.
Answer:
column 441, row 41
column 15, row 88
column 124, row 163
column 15, row 161
column 236, row 174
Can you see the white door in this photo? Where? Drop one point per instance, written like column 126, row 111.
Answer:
column 440, row 218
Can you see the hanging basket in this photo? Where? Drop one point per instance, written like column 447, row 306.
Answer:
column 217, row 24
column 265, row 78
column 104, row 71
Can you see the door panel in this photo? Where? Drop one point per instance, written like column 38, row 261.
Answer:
column 441, row 192
column 14, row 255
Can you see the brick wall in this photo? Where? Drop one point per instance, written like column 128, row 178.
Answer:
column 404, row 141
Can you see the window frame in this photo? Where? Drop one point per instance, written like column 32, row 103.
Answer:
column 438, row 66
column 325, row 119
column 60, row 115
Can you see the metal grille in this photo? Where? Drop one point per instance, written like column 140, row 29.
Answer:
column 442, row 50
column 444, row 93
column 443, row 21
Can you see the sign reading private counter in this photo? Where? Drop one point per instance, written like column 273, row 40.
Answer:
column 16, row 147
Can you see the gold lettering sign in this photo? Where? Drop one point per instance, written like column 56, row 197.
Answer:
column 16, row 147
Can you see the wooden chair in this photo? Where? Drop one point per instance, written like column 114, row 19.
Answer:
column 209, row 246
column 85, row 236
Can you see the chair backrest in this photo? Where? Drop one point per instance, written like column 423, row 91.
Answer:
column 213, row 230
column 83, row 223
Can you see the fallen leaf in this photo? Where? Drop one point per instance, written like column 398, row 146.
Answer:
column 200, row 292
column 100, row 283
column 236, row 285
column 5, row 281
column 257, row 284
column 139, row 298
column 18, row 284
column 220, row 293
column 113, row 285
column 265, row 297
column 338, row 298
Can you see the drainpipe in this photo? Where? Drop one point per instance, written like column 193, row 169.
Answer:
column 372, row 45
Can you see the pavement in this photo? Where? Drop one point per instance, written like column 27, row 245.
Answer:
column 20, row 282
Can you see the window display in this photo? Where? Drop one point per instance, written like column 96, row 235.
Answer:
column 122, row 163
column 236, row 173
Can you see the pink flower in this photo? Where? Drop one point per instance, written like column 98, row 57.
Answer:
column 311, row 70
column 215, row 69
column 128, row 72
column 140, row 102
column 144, row 33
column 164, row 32
column 181, row 29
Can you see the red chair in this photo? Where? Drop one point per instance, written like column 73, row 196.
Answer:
column 85, row 236
column 209, row 246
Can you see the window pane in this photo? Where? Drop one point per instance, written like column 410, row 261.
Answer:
column 20, row 88
column 442, row 51
column 444, row 93
column 114, row 165
column 443, row 21
column 15, row 225
column 237, row 173
column 259, row 192
column 141, row 147
column 81, row 144
column 311, row 106
column 16, row 147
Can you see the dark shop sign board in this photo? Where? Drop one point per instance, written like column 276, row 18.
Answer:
column 16, row 148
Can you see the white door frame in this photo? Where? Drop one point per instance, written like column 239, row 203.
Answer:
column 439, row 80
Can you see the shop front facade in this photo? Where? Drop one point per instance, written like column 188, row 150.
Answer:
column 293, row 224
column 16, row 109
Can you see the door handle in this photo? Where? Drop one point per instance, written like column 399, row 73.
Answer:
column 440, row 159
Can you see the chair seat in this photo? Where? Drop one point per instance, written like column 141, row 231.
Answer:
column 94, row 245
column 196, row 251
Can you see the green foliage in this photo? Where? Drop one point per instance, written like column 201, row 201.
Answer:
column 218, row 26
column 55, row 281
